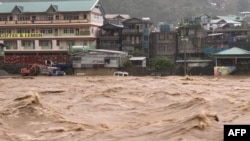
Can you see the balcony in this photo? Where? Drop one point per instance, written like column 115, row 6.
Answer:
column 132, row 31
column 189, row 50
column 83, row 33
column 41, row 35
column 130, row 43
column 43, row 22
column 109, row 46
column 109, row 37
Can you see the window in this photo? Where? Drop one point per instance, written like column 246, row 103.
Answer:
column 11, row 44
column 107, row 61
column 5, row 31
column 23, row 30
column 26, row 43
column 162, row 48
column 3, row 18
column 75, row 17
column 70, row 43
column 191, row 32
column 71, row 17
column 84, row 16
column 23, row 18
column 68, row 31
column 44, row 43
column 170, row 47
column 50, row 18
column 46, row 17
column 33, row 18
column 161, row 36
column 66, row 17
column 170, row 36
column 85, row 29
column 58, row 43
column 46, row 31
column 85, row 43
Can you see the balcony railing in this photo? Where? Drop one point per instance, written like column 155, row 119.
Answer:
column 41, row 35
column 189, row 50
column 109, row 46
column 132, row 31
column 131, row 43
column 109, row 37
column 43, row 22
column 83, row 33
column 36, row 49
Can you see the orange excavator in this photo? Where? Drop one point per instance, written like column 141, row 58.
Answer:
column 35, row 69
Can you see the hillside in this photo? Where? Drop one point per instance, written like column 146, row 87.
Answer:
column 173, row 10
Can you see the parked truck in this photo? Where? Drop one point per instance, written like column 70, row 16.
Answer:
column 39, row 69
column 35, row 69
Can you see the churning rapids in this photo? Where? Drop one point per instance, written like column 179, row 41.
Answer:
column 100, row 108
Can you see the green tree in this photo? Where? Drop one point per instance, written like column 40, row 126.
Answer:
column 127, row 64
column 161, row 64
column 136, row 53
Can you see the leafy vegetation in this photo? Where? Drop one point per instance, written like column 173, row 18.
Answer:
column 128, row 64
column 136, row 53
column 161, row 64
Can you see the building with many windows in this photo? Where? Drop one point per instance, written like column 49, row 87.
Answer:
column 163, row 44
column 135, row 35
column 38, row 30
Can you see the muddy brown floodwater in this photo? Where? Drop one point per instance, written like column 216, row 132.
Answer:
column 72, row 108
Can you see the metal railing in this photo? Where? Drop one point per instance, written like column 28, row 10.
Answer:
column 43, row 22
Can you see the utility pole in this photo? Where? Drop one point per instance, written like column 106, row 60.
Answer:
column 185, row 40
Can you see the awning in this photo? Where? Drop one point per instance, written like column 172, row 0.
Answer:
column 232, row 53
column 137, row 58
column 215, row 34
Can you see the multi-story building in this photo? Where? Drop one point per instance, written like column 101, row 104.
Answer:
column 219, row 40
column 116, row 19
column 163, row 44
column 35, row 31
column 135, row 35
column 111, row 32
column 110, row 37
column 190, row 41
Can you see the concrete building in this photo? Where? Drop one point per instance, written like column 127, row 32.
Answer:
column 163, row 44
column 34, row 31
column 135, row 35
column 110, row 37
column 98, row 61
column 116, row 19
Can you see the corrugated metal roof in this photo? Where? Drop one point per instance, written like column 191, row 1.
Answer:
column 43, row 6
column 230, row 17
column 109, row 51
column 233, row 51
column 137, row 58
column 216, row 21
column 111, row 16
column 111, row 25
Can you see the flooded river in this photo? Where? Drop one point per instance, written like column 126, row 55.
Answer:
column 83, row 108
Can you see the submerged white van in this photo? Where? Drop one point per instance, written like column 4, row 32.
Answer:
column 120, row 73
